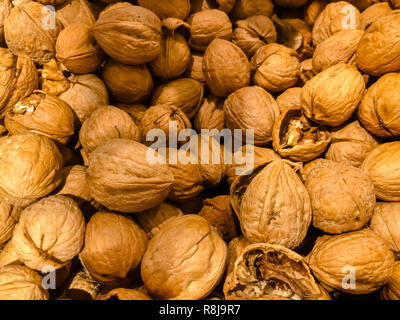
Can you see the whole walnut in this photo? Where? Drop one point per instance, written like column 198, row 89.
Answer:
column 108, row 258
column 186, row 250
column 152, row 220
column 374, row 12
column 186, row 171
column 195, row 67
column 30, row 168
column 297, row 138
column 266, row 271
column 253, row 33
column 247, row 8
column 107, row 123
column 340, row 47
column 168, row 8
column 32, row 29
column 129, row 34
column 330, row 181
column 169, row 119
column 75, row 11
column 218, row 212
column 252, row 108
column 275, row 206
column 77, row 49
column 207, row 25
column 123, row 177
column 357, row 262
column 331, row 97
column 351, row 143
column 9, row 216
column 378, row 111
column 238, row 164
column 289, row 98
column 127, row 83
column 50, row 232
column 175, row 52
column 226, row 68
column 383, row 168
column 210, row 157
column 335, row 17
column 86, row 93
column 44, row 114
column 184, row 93
column 275, row 67
column 21, row 283
column 391, row 291
column 386, row 223
column 210, row 115
column 19, row 79
column 379, row 50
column 5, row 9
column 312, row 10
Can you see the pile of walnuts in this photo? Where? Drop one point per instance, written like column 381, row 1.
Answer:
column 88, row 210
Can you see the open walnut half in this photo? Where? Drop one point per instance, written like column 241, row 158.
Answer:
column 271, row 272
column 297, row 138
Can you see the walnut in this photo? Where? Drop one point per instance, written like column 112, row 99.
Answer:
column 195, row 67
column 30, row 168
column 82, row 287
column 9, row 216
column 374, row 12
column 122, row 176
column 168, row 8
column 75, row 11
column 50, row 232
column 123, row 294
column 289, row 98
column 391, row 290
column 167, row 268
column 109, row 259
column 247, row 8
column 312, row 10
column 210, row 115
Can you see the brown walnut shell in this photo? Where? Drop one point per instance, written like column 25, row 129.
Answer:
column 207, row 25
column 136, row 111
column 378, row 111
column 32, row 29
column 184, row 93
column 5, row 9
column 379, row 48
column 335, row 17
column 77, row 49
column 82, row 287
column 312, row 10
column 75, row 183
column 290, row 4
column 108, row 258
column 175, row 52
column 383, row 168
column 52, row 79
column 30, row 168
column 340, row 47
column 9, row 216
column 289, row 98
column 275, row 67
column 21, row 283
column 168, row 8
column 252, row 108
column 296, row 138
column 253, row 33
column 210, row 115
column 395, row 4
column 391, row 291
column 275, row 207
column 129, row 34
column 247, row 8
column 8, row 255
column 127, row 83
column 107, row 123
column 300, row 27
column 185, row 250
column 50, row 232
column 122, row 177
column 338, row 206
column 374, row 12
column 360, row 4
column 331, row 97
column 76, row 11
column 218, row 212
column 44, row 114
column 123, row 294
column 351, row 143
column 161, row 117
column 86, row 93
column 152, row 220
column 19, row 79
column 357, row 262
column 270, row 272
column 386, row 223
column 226, row 67
column 195, row 67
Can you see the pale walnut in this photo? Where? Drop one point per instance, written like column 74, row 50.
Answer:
column 363, row 253
column 186, row 259
column 108, row 258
